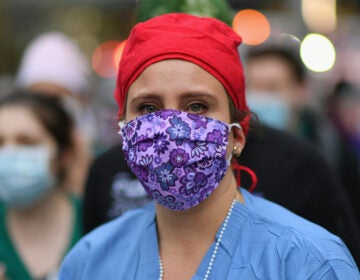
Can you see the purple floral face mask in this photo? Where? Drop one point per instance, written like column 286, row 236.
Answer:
column 178, row 157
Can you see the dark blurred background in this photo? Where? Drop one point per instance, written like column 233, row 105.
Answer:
column 91, row 22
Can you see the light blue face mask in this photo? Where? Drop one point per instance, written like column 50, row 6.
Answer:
column 25, row 175
column 271, row 109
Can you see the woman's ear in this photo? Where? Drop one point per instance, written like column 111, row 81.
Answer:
column 239, row 140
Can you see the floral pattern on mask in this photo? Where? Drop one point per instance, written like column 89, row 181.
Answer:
column 180, row 158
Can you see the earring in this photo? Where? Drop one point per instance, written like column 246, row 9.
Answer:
column 236, row 152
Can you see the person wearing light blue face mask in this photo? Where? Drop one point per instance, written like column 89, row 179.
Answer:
column 277, row 88
column 53, row 64
column 271, row 109
column 39, row 220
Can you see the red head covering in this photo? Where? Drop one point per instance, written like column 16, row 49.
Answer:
column 207, row 42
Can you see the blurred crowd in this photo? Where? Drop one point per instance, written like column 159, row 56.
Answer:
column 61, row 176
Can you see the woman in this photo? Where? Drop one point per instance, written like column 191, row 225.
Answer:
column 39, row 220
column 53, row 64
column 180, row 91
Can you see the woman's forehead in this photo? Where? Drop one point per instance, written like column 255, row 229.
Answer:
column 177, row 76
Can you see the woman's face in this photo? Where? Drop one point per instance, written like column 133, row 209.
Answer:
column 19, row 127
column 179, row 85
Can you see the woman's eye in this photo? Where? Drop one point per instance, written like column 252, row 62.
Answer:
column 147, row 109
column 197, row 108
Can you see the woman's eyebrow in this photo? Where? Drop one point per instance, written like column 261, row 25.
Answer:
column 145, row 97
column 197, row 94
column 184, row 96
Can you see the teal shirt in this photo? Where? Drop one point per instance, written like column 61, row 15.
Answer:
column 262, row 241
column 15, row 268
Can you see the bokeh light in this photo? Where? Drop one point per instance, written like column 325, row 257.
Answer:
column 317, row 53
column 102, row 59
column 117, row 54
column 319, row 15
column 252, row 26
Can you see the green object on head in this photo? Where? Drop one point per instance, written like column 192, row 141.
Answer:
column 210, row 8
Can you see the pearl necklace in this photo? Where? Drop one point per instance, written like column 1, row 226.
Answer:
column 216, row 248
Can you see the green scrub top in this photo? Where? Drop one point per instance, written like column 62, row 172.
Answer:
column 9, row 257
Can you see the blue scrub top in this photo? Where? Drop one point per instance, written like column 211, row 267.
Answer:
column 262, row 241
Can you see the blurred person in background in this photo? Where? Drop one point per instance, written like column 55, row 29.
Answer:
column 54, row 64
column 343, row 108
column 278, row 92
column 39, row 219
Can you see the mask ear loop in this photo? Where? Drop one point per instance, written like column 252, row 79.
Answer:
column 238, row 168
column 121, row 124
column 230, row 126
